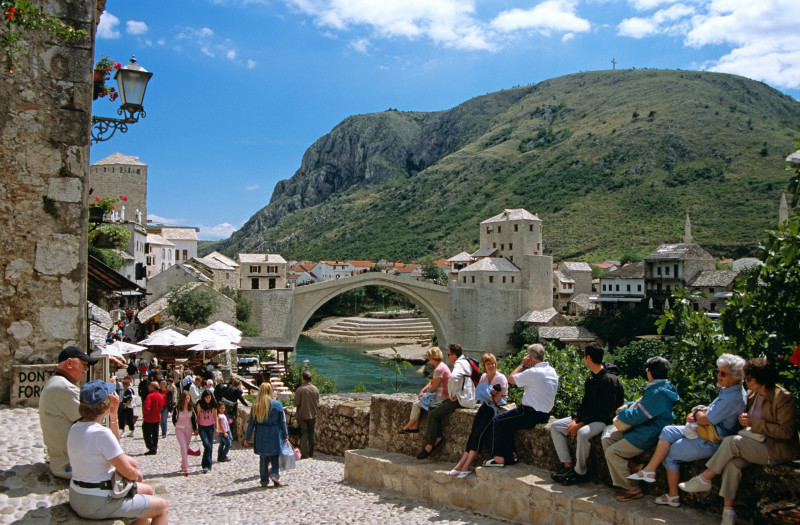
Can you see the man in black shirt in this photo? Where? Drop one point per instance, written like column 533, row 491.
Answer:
column 602, row 394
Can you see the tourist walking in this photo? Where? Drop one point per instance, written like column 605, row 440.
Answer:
column 266, row 430
column 207, row 424
column 491, row 392
column 602, row 394
column 306, row 399
column 96, row 456
column 434, row 393
column 126, row 408
column 540, row 383
column 225, row 437
column 151, row 416
column 185, row 422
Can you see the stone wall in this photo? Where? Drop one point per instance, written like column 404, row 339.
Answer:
column 342, row 423
column 45, row 119
column 388, row 413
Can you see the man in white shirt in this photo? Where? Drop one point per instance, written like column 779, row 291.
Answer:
column 540, row 383
column 196, row 390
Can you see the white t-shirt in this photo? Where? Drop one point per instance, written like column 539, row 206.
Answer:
column 541, row 384
column 91, row 447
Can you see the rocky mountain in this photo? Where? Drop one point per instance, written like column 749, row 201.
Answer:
column 611, row 161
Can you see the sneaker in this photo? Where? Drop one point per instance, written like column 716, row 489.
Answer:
column 559, row 476
column 572, row 477
column 728, row 518
column 695, row 485
column 205, row 470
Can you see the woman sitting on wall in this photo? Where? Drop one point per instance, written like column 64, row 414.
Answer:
column 683, row 443
column 770, row 437
column 435, row 390
column 493, row 387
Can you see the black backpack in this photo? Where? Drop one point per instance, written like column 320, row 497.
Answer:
column 476, row 370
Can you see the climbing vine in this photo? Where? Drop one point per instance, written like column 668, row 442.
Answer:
column 20, row 16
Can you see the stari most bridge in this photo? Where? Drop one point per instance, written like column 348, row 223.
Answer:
column 283, row 313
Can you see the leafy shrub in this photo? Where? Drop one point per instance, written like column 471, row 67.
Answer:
column 523, row 334
column 631, row 358
column 292, row 378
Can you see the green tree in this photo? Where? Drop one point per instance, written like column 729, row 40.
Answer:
column 434, row 273
column 244, row 312
column 192, row 305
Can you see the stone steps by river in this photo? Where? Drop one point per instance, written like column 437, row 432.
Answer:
column 359, row 327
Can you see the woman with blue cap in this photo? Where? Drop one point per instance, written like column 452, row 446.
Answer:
column 95, row 456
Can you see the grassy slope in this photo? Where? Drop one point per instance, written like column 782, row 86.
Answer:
column 605, row 184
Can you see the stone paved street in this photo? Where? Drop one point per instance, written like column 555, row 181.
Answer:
column 314, row 492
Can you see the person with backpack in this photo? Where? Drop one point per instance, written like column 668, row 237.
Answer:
column 461, row 388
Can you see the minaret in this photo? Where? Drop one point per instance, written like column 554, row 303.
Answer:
column 687, row 230
column 783, row 211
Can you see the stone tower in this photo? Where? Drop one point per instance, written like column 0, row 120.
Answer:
column 687, row 230
column 783, row 211
column 120, row 174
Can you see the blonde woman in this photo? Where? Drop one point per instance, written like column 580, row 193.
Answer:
column 436, row 387
column 268, row 423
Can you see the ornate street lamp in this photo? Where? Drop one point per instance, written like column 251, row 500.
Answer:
column 132, row 82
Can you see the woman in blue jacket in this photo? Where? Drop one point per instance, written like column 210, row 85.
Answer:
column 646, row 418
column 268, row 423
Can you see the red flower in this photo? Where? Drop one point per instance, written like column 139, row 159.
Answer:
column 123, row 198
column 117, row 65
column 10, row 14
column 97, row 199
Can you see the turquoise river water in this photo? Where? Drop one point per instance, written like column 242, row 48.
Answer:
column 349, row 366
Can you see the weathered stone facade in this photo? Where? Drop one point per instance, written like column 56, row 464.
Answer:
column 126, row 175
column 45, row 119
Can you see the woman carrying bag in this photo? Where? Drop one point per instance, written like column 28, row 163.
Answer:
column 266, row 430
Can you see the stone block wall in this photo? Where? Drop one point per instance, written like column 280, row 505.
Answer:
column 45, row 119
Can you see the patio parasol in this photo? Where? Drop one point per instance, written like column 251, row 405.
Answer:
column 126, row 348
column 165, row 337
column 232, row 334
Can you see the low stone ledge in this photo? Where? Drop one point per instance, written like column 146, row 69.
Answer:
column 389, row 413
column 521, row 493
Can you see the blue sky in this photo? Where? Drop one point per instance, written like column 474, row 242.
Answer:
column 241, row 88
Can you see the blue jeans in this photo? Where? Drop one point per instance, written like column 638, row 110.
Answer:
column 683, row 449
column 164, row 418
column 224, row 446
column 207, row 437
column 263, row 468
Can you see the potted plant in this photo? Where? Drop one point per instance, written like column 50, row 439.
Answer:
column 99, row 207
column 102, row 72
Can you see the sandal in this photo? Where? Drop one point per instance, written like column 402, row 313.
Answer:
column 629, row 495
column 666, row 499
column 454, row 472
column 464, row 474
column 643, row 475
column 492, row 463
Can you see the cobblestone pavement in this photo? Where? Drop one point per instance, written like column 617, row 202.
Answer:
column 313, row 493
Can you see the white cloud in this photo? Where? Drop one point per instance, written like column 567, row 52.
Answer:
column 215, row 233
column 550, row 15
column 361, row 45
column 107, row 28
column 151, row 217
column 450, row 23
column 135, row 27
column 252, row 187
column 230, row 54
column 251, row 64
column 762, row 36
column 567, row 37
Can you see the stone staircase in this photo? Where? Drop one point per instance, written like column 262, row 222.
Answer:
column 362, row 327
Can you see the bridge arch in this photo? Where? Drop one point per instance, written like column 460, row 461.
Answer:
column 432, row 299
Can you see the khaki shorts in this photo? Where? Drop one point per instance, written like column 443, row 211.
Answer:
column 102, row 507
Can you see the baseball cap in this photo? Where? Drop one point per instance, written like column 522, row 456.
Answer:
column 95, row 392
column 75, row 352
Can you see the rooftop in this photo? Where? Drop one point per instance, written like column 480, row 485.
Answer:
column 629, row 271
column 270, row 258
column 119, row 158
column 677, row 252
column 491, row 264
column 461, row 257
column 152, row 238
column 538, row 316
column 714, row 278
column 576, row 266
column 517, row 214
column 179, row 233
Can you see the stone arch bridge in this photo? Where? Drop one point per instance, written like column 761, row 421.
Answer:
column 283, row 313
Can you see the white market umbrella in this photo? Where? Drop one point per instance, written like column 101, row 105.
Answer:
column 212, row 343
column 126, row 348
column 166, row 337
column 231, row 333
column 111, row 352
column 200, row 335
